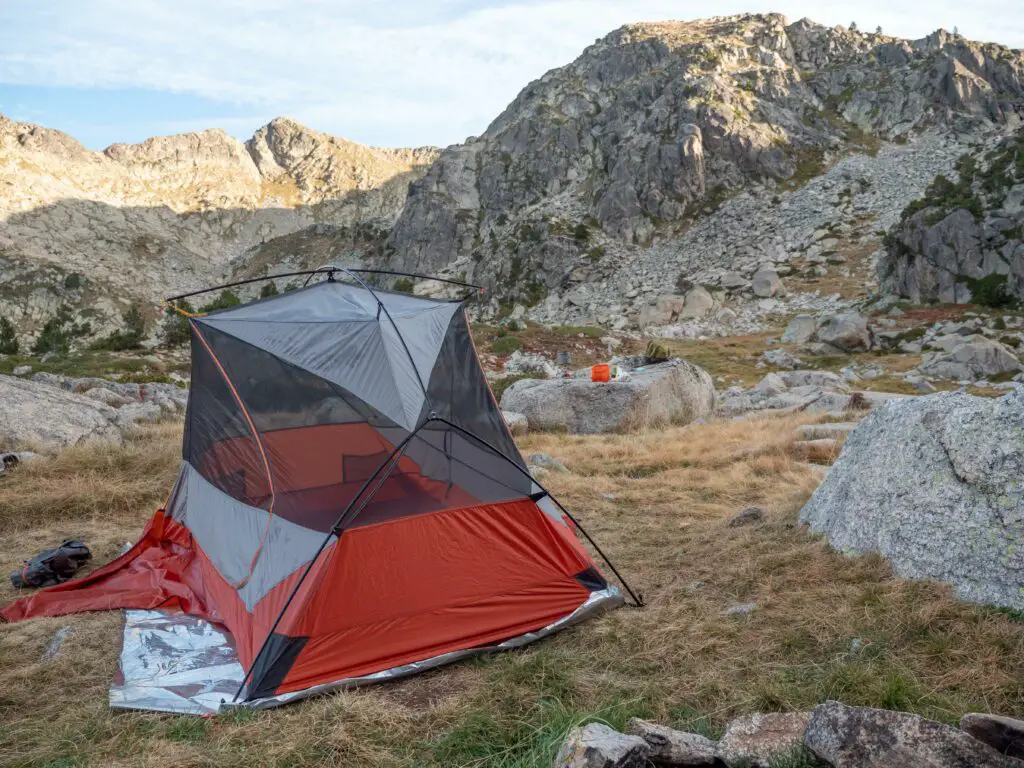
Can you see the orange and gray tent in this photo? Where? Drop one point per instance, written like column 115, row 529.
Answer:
column 351, row 506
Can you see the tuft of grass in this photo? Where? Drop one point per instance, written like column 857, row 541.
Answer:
column 506, row 345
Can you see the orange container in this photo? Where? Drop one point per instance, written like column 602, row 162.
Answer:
column 601, row 373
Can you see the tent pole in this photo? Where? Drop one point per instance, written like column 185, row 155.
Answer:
column 637, row 601
column 399, row 449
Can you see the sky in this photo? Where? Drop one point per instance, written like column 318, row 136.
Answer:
column 381, row 72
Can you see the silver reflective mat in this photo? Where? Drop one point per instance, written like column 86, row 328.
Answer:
column 180, row 663
column 175, row 663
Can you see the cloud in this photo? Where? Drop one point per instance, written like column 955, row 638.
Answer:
column 386, row 72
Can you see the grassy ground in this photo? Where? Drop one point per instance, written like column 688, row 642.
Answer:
column 138, row 366
column 659, row 504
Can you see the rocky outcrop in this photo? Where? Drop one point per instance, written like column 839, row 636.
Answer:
column 656, row 124
column 52, row 411
column 964, row 241
column 933, row 484
column 675, row 392
column 96, row 230
column 971, row 358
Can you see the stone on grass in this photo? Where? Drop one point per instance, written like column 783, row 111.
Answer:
column 22, row 370
column 770, row 385
column 780, row 358
column 517, row 423
column 746, row 517
column 934, row 485
column 596, row 745
column 669, row 747
column 800, row 329
column 758, row 739
column 548, row 462
column 862, row 737
column 1003, row 734
column 823, row 379
column 743, row 609
column 673, row 392
column 847, row 331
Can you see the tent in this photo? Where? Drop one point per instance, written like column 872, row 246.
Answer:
column 351, row 506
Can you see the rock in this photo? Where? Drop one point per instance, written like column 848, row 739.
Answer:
column 57, row 642
column 822, row 379
column 520, row 363
column 772, row 384
column 921, row 384
column 972, row 359
column 133, row 414
column 595, row 745
column 746, row 517
column 933, row 484
column 669, row 747
column 847, row 331
column 112, row 399
column 742, row 609
column 36, row 413
column 734, row 281
column 517, row 423
column 755, row 740
column 1004, row 734
column 547, row 462
column 780, row 358
column 800, row 329
column 824, row 431
column 766, row 283
column 22, row 370
column 674, row 392
column 862, row 737
column 697, row 303
column 662, row 311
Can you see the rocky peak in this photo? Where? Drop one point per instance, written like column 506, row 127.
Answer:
column 655, row 123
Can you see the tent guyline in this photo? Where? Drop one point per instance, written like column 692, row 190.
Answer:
column 328, row 270
column 351, row 508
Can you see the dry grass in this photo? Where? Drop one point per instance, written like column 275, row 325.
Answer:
column 659, row 504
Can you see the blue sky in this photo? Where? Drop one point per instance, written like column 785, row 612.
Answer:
column 384, row 72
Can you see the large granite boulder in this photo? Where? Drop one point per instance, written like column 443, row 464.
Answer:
column 847, row 332
column 973, row 358
column 936, row 485
column 38, row 414
column 673, row 392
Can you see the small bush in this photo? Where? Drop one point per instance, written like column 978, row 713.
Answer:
column 581, row 233
column 999, row 324
column 506, row 345
column 130, row 336
column 58, row 332
column 73, row 281
column 1010, row 341
column 990, row 291
column 268, row 290
column 226, row 300
column 174, row 331
column 403, row 285
column 8, row 337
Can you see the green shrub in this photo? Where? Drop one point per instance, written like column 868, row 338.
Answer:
column 291, row 286
column 990, row 291
column 8, row 337
column 174, row 332
column 581, row 233
column 1010, row 341
column 58, row 332
column 999, row 324
column 403, row 285
column 73, row 281
column 506, row 345
column 226, row 300
column 268, row 290
column 130, row 336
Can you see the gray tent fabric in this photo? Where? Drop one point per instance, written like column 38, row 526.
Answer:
column 298, row 400
column 235, row 536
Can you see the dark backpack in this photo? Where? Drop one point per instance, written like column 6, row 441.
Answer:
column 52, row 566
